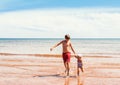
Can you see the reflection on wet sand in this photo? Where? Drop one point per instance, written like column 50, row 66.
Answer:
column 66, row 81
column 80, row 82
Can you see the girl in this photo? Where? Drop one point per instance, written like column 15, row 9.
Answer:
column 79, row 64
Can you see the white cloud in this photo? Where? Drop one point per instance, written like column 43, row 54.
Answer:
column 55, row 23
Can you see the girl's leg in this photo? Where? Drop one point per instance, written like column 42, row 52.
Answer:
column 78, row 73
column 82, row 69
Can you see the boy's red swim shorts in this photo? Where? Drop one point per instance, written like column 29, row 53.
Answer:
column 66, row 57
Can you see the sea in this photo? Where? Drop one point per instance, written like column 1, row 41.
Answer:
column 85, row 46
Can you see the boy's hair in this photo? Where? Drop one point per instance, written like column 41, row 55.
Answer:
column 67, row 36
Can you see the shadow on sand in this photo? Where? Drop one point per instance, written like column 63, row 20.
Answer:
column 67, row 79
column 54, row 75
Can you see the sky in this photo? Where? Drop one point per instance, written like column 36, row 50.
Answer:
column 55, row 18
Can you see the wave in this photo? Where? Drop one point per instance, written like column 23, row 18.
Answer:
column 94, row 55
column 45, row 55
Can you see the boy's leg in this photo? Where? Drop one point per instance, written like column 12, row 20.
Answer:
column 65, row 64
column 68, row 68
column 66, row 59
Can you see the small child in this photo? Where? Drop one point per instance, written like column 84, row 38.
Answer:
column 79, row 64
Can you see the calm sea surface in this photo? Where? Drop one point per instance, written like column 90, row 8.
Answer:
column 42, row 46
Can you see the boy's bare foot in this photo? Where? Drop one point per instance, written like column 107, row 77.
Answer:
column 65, row 71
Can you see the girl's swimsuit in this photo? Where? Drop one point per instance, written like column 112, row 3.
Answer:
column 79, row 65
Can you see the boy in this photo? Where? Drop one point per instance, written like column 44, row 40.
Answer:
column 66, row 54
column 79, row 64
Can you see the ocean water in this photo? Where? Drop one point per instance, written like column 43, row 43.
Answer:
column 42, row 46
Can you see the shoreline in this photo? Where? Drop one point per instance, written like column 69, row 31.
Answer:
column 40, row 70
column 94, row 55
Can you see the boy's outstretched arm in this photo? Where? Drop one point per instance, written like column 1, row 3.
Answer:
column 55, row 45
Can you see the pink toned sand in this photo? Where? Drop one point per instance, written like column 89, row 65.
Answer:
column 36, row 70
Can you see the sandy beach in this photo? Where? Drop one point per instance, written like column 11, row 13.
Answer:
column 48, row 70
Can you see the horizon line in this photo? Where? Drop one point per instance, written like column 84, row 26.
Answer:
column 61, row 38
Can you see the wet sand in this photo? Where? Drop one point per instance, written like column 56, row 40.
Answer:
column 37, row 70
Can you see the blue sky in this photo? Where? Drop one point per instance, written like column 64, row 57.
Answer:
column 55, row 18
column 13, row 5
